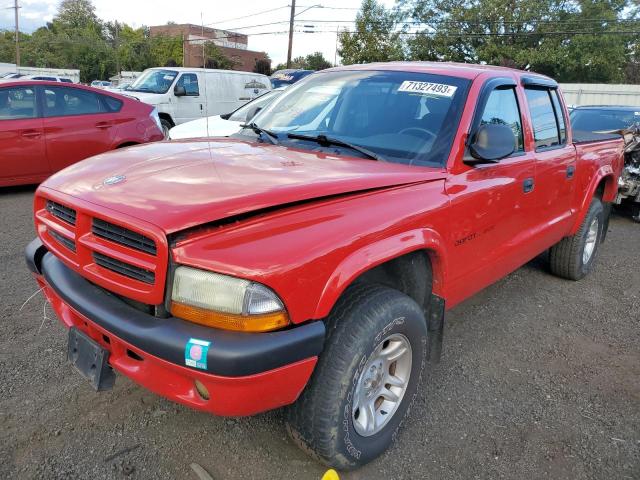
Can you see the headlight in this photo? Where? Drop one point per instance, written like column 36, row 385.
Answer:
column 225, row 302
column 156, row 118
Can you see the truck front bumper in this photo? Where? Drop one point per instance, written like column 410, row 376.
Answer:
column 246, row 373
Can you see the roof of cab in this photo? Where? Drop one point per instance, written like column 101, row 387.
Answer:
column 463, row 70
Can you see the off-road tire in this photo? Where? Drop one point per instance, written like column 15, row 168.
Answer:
column 566, row 256
column 321, row 422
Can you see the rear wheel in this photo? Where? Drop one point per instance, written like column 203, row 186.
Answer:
column 365, row 379
column 573, row 257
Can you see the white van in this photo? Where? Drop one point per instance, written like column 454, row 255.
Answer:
column 183, row 94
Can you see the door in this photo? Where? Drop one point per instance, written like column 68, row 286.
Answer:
column 555, row 164
column 21, row 136
column 191, row 105
column 77, row 125
column 491, row 204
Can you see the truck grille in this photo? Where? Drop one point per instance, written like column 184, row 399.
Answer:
column 125, row 269
column 123, row 236
column 70, row 244
column 63, row 213
column 123, row 255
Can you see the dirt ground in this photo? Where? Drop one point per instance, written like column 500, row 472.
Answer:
column 540, row 378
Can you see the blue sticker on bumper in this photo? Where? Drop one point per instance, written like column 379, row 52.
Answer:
column 195, row 353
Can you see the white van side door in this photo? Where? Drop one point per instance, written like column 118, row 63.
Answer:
column 189, row 97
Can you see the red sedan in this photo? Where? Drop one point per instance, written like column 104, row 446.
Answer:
column 46, row 126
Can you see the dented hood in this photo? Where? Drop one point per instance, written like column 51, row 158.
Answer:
column 182, row 184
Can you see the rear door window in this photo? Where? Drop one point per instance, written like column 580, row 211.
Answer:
column 543, row 118
column 63, row 102
column 17, row 103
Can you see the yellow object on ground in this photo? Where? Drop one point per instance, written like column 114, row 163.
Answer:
column 330, row 475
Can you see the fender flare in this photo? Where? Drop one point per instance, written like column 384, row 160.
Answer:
column 382, row 251
column 609, row 194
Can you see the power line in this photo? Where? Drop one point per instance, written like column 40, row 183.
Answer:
column 247, row 16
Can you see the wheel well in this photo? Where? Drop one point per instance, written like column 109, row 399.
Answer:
column 606, row 188
column 167, row 117
column 410, row 273
column 127, row 144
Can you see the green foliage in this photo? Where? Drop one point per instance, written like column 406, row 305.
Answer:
column 316, row 61
column 313, row 61
column 215, row 58
column 374, row 39
column 537, row 35
column 263, row 66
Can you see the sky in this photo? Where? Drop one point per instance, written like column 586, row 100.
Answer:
column 222, row 14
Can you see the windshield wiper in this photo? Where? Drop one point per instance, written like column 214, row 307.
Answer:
column 327, row 141
column 273, row 138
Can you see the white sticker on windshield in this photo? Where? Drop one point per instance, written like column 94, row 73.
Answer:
column 428, row 88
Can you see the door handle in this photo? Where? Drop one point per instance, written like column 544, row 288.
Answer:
column 103, row 125
column 527, row 185
column 571, row 170
column 31, row 134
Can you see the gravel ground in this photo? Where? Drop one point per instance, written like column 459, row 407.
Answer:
column 540, row 378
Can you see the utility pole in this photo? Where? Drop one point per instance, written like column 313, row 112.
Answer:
column 293, row 14
column 16, row 7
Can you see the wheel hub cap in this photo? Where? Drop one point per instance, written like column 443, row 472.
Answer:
column 381, row 385
column 590, row 242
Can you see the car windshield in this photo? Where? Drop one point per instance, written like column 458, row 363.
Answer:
column 248, row 111
column 402, row 117
column 154, row 81
column 595, row 120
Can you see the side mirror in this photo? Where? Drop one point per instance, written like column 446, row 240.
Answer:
column 491, row 142
column 179, row 91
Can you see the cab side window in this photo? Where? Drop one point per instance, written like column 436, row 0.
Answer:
column 190, row 83
column 63, row 101
column 502, row 108
column 546, row 117
column 17, row 103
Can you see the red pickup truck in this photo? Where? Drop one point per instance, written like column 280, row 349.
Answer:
column 309, row 259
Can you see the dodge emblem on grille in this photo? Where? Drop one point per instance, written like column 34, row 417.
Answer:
column 113, row 180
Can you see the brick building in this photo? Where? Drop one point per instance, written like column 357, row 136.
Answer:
column 232, row 45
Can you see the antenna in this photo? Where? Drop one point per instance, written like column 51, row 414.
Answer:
column 204, row 77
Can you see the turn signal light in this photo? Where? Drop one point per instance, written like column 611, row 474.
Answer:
column 228, row 321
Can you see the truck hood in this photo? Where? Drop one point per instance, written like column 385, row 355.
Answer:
column 182, row 184
column 146, row 97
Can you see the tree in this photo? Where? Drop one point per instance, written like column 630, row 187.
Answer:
column 375, row 38
column 215, row 58
column 537, row 35
column 316, row 61
column 263, row 66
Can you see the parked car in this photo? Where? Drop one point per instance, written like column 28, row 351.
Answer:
column 47, row 78
column 309, row 259
column 185, row 94
column 622, row 119
column 289, row 76
column 46, row 126
column 227, row 124
column 10, row 75
column 101, row 84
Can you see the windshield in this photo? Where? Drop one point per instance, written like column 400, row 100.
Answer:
column 595, row 120
column 403, row 117
column 154, row 81
column 248, row 111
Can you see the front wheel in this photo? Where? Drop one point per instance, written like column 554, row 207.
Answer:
column 166, row 126
column 365, row 380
